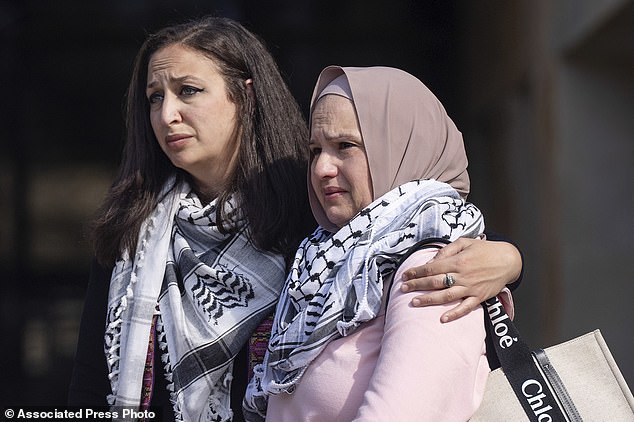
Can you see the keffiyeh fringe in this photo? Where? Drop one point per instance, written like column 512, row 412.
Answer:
column 114, row 320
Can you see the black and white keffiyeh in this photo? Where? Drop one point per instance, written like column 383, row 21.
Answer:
column 212, row 290
column 336, row 282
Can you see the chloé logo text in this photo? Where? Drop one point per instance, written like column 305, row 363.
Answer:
column 499, row 327
column 533, row 391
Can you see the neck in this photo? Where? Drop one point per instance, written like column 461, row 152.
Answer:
column 206, row 194
column 206, row 191
column 209, row 184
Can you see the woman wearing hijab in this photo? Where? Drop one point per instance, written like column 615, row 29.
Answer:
column 387, row 184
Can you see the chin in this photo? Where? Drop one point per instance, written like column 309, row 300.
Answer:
column 338, row 220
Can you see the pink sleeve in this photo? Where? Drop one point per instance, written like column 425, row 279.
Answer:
column 426, row 371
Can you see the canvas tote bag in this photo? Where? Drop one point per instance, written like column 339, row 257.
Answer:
column 573, row 381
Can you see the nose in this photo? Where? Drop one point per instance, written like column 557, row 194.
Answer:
column 324, row 166
column 170, row 110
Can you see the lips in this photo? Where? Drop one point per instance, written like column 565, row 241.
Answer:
column 332, row 192
column 170, row 139
column 177, row 142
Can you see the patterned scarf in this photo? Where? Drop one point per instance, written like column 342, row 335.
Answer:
column 212, row 290
column 336, row 282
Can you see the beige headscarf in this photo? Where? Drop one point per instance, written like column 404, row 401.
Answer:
column 406, row 130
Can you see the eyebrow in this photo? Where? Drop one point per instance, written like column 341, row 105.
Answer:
column 337, row 135
column 179, row 79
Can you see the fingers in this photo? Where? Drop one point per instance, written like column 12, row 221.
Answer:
column 435, row 282
column 440, row 297
column 446, row 296
column 430, row 271
column 453, row 248
column 446, row 260
column 460, row 310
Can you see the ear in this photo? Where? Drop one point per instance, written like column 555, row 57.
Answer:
column 249, row 85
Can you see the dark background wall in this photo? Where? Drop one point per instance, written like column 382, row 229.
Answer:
column 511, row 74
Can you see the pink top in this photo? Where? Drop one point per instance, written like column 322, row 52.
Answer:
column 402, row 366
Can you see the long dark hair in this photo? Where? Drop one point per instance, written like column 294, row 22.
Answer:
column 270, row 176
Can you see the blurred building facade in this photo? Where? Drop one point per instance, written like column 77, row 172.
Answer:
column 543, row 92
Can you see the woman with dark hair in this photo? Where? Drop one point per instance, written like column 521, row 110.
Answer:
column 269, row 144
column 208, row 201
column 195, row 236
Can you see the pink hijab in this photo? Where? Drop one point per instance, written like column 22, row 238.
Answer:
column 405, row 128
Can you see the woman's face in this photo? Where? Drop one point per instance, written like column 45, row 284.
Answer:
column 192, row 116
column 339, row 171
